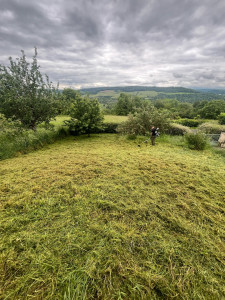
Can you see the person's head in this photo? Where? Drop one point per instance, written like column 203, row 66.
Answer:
column 153, row 127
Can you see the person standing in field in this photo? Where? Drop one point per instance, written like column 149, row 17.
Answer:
column 153, row 135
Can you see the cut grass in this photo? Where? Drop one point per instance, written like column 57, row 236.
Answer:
column 100, row 218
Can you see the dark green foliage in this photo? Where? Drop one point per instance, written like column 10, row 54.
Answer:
column 25, row 94
column 141, row 122
column 181, row 109
column 69, row 94
column 127, row 104
column 123, row 105
column 190, row 122
column 221, row 118
column 196, row 141
column 185, row 110
column 110, row 127
column 170, row 104
column 212, row 109
column 86, row 116
column 66, row 98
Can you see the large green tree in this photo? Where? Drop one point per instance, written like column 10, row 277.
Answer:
column 86, row 115
column 25, row 94
column 212, row 109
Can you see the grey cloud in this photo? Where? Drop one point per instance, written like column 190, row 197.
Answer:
column 112, row 42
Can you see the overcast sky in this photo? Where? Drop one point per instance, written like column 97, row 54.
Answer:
column 87, row 43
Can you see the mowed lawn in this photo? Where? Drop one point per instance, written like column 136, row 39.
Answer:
column 101, row 218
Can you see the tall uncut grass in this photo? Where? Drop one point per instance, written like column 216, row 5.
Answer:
column 101, row 218
column 25, row 141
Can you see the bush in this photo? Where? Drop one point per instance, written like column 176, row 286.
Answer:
column 211, row 128
column 110, row 127
column 177, row 129
column 141, row 122
column 196, row 141
column 221, row 119
column 86, row 116
column 190, row 122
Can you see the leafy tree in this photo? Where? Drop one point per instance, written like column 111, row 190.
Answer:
column 212, row 109
column 141, row 122
column 25, row 94
column 86, row 115
column 221, row 118
column 66, row 99
column 123, row 105
column 127, row 104
column 69, row 94
column 185, row 110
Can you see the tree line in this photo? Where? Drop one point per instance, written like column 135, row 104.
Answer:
column 200, row 109
column 31, row 98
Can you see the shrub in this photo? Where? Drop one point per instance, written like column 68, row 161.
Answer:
column 211, row 128
column 110, row 127
column 190, row 122
column 141, row 122
column 221, row 118
column 196, row 141
column 86, row 116
column 177, row 129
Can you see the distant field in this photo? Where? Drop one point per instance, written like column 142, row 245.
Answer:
column 101, row 218
column 59, row 120
column 114, row 95
column 114, row 119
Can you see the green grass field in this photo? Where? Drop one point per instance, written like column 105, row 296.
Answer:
column 114, row 119
column 115, row 95
column 107, row 118
column 100, row 218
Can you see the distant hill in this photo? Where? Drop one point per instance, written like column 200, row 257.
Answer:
column 125, row 89
column 212, row 91
column 108, row 95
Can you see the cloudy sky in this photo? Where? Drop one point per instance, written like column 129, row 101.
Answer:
column 87, row 43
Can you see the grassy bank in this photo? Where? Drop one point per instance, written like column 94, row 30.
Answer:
column 100, row 218
column 24, row 141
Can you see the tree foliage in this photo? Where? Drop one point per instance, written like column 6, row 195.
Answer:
column 67, row 96
column 86, row 115
column 141, row 122
column 127, row 104
column 212, row 109
column 221, row 118
column 25, row 94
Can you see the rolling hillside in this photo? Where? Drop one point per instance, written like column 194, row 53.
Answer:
column 108, row 95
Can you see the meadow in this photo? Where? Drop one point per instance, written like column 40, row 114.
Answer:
column 101, row 218
column 58, row 121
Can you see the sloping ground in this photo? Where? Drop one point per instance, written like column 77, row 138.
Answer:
column 100, row 218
